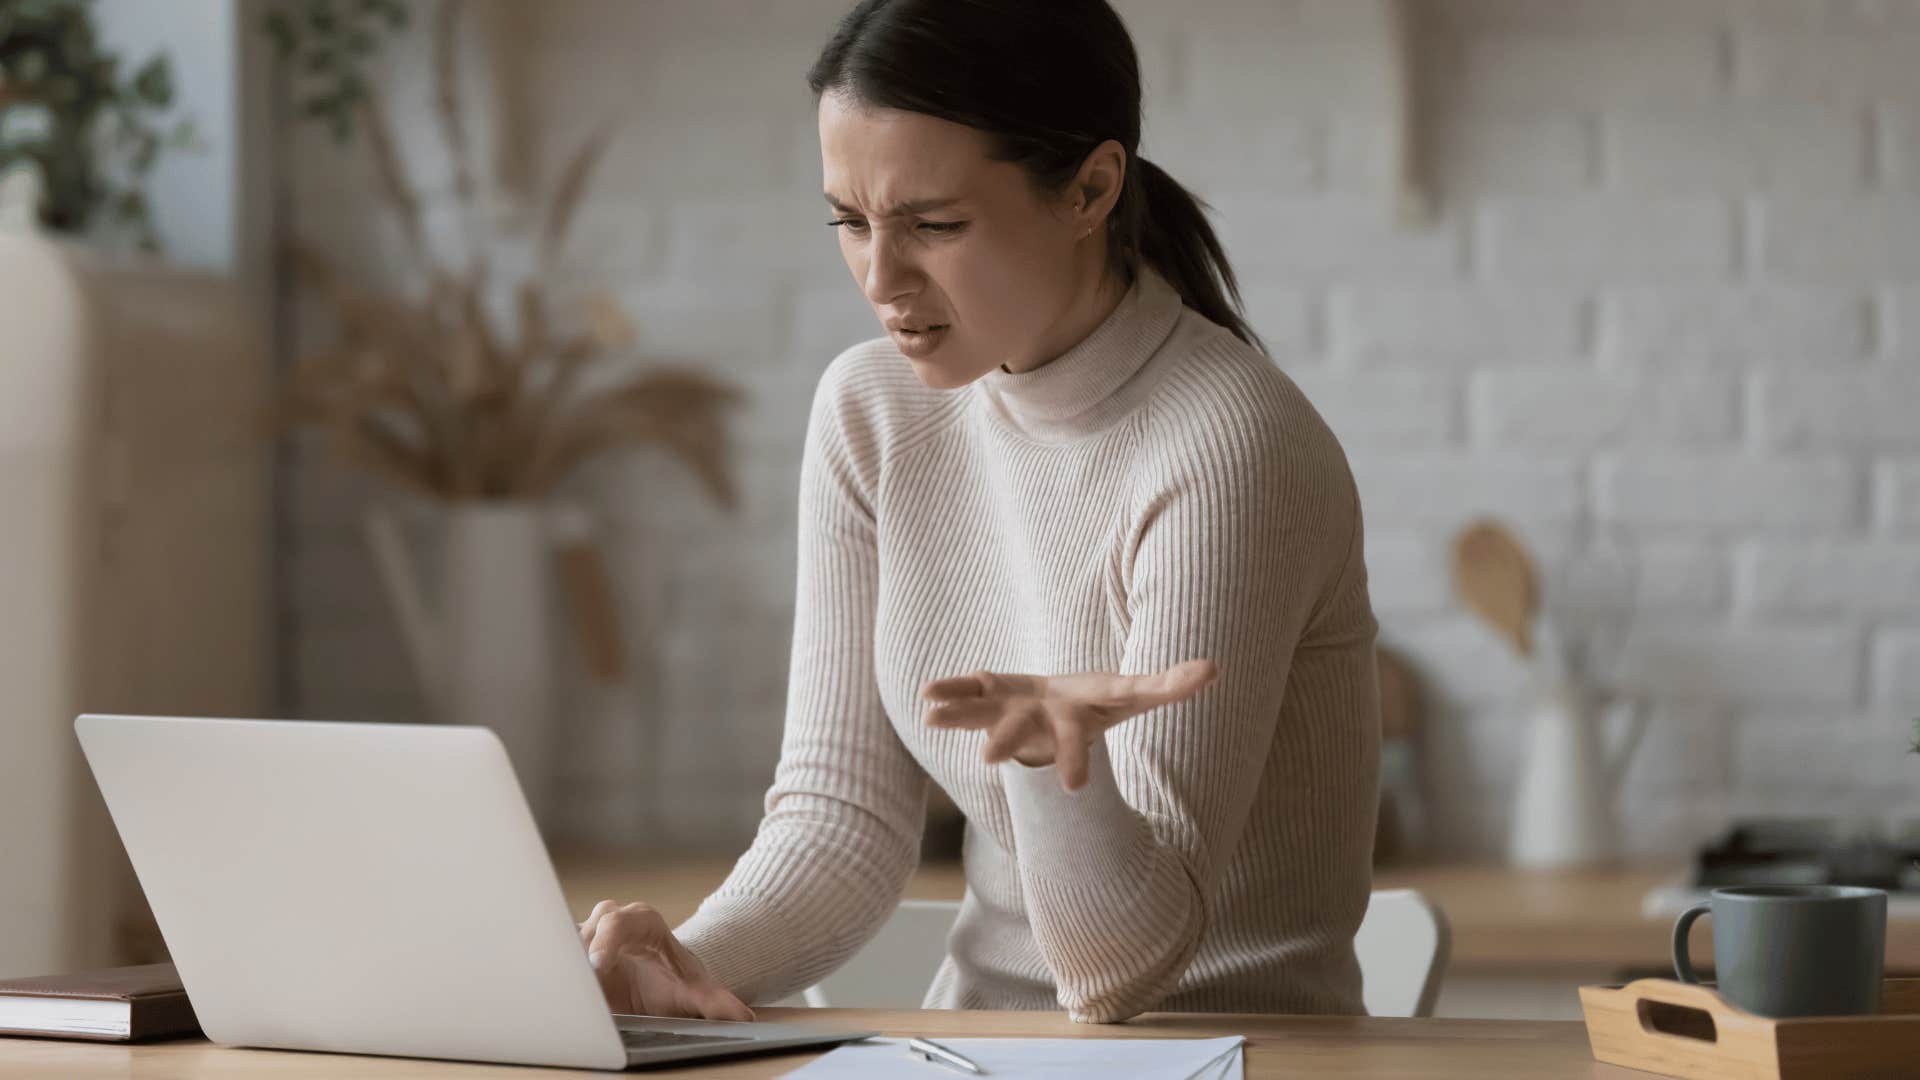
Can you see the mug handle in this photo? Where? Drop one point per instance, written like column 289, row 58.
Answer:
column 1682, row 966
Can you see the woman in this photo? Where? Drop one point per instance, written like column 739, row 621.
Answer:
column 1068, row 456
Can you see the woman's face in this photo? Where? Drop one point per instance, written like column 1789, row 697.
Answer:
column 965, row 264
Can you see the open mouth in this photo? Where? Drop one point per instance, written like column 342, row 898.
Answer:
column 921, row 343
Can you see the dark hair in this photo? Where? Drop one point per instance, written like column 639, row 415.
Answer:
column 1049, row 81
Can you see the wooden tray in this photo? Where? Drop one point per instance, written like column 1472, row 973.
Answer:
column 1678, row 1029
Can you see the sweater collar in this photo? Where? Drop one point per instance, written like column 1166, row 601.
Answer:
column 1067, row 395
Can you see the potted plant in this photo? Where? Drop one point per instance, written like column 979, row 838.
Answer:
column 77, row 135
column 439, row 392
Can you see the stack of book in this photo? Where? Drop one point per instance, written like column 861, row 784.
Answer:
column 124, row 1004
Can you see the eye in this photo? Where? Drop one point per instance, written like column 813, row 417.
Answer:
column 853, row 225
column 943, row 228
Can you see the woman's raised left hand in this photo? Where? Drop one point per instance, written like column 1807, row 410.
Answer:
column 1048, row 719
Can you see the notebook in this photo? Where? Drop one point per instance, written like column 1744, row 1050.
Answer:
column 123, row 1004
column 1037, row 1059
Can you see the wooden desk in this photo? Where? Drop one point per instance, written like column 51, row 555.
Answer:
column 1505, row 919
column 1523, row 941
column 1378, row 1049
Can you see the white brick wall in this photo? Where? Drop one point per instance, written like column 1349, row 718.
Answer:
column 1828, row 65
column 1500, row 69
column 1845, row 239
column 1588, row 411
column 1865, row 410
column 1665, row 322
column 1727, row 494
column 1455, row 326
column 1670, row 328
column 1608, row 238
column 1791, row 147
column 1829, row 579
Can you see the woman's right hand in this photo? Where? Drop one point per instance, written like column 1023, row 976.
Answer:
column 644, row 969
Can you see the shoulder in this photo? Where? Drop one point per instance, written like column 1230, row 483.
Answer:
column 1232, row 438
column 870, row 400
column 1226, row 411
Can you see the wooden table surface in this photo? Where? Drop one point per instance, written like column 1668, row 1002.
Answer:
column 1376, row 1048
column 1506, row 919
column 1502, row 919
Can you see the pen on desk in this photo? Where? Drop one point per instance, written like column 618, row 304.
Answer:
column 1207, row 1069
column 933, row 1051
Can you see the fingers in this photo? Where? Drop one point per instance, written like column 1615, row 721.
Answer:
column 604, row 952
column 713, row 1001
column 588, row 927
column 964, row 714
column 981, row 684
column 657, row 991
column 1175, row 684
column 954, row 689
column 617, row 935
column 1010, row 735
column 642, row 968
column 616, row 984
column 721, row 1005
column 1070, row 752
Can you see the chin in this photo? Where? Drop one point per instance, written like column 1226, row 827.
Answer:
column 938, row 376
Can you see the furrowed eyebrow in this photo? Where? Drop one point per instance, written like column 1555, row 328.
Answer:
column 911, row 206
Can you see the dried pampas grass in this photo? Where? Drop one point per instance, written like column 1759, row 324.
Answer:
column 426, row 391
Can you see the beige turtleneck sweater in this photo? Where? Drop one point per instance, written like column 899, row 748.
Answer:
column 1159, row 493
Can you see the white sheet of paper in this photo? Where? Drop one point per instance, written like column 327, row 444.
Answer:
column 1038, row 1059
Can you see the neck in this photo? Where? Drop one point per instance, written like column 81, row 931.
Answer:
column 1101, row 291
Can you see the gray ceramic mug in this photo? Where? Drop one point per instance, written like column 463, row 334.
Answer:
column 1793, row 950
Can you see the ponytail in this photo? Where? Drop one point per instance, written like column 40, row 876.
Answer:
column 1161, row 223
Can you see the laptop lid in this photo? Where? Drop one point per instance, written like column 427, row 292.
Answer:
column 357, row 888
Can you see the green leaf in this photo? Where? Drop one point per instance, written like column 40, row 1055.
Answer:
column 146, row 150
column 130, row 205
column 30, row 66
column 153, row 84
column 280, row 28
column 322, row 17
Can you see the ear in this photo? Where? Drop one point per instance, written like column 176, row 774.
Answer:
column 1096, row 188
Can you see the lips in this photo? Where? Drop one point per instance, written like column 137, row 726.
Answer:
column 918, row 344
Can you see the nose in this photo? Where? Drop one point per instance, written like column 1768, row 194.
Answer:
column 891, row 274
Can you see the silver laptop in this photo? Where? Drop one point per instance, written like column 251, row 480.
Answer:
column 371, row 889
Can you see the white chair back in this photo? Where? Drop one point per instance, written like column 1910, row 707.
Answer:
column 1403, row 944
column 893, row 970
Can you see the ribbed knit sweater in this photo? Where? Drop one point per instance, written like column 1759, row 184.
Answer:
column 1161, row 492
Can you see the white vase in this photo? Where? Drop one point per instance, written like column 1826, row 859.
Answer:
column 484, row 652
column 1576, row 750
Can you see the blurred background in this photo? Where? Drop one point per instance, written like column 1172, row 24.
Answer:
column 397, row 361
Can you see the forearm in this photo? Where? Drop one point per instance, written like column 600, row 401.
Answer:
column 820, row 878
column 1116, row 912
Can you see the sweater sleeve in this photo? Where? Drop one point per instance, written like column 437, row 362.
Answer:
column 843, row 819
column 1239, row 543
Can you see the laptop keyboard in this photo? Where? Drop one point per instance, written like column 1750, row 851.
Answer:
column 642, row 1039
